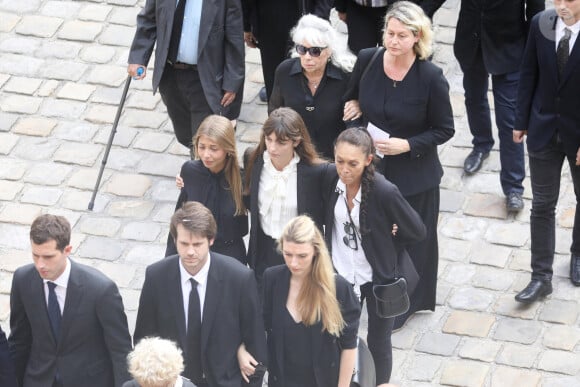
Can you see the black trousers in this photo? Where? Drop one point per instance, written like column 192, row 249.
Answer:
column 365, row 26
column 183, row 95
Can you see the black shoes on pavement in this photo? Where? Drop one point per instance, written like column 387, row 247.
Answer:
column 535, row 289
column 514, row 202
column 263, row 95
column 474, row 160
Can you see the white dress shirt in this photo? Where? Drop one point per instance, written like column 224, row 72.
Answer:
column 560, row 26
column 60, row 288
column 201, row 278
column 277, row 197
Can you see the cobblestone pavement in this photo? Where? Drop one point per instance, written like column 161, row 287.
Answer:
column 62, row 70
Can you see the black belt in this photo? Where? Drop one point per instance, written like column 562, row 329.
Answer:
column 182, row 66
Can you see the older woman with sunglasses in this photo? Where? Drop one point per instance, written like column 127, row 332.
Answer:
column 314, row 80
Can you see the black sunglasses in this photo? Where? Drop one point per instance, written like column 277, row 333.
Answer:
column 313, row 51
column 350, row 239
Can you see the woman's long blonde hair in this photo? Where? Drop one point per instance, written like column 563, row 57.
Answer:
column 220, row 130
column 317, row 297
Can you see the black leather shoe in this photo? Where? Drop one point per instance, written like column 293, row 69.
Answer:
column 474, row 160
column 575, row 269
column 535, row 289
column 263, row 94
column 514, row 202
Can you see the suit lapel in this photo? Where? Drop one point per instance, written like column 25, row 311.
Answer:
column 74, row 294
column 301, row 187
column 208, row 11
column 38, row 299
column 213, row 295
column 175, row 298
column 573, row 62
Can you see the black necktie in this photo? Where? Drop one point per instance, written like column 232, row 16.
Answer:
column 53, row 310
column 176, row 31
column 193, row 365
column 563, row 51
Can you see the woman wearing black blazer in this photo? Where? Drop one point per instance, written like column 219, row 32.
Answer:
column 361, row 208
column 311, row 315
column 214, row 180
column 407, row 96
column 283, row 177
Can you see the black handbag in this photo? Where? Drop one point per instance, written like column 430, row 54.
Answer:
column 364, row 374
column 392, row 298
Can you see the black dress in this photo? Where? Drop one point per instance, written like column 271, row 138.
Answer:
column 418, row 109
column 297, row 354
column 322, row 112
column 213, row 191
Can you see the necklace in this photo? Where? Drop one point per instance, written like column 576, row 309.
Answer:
column 394, row 83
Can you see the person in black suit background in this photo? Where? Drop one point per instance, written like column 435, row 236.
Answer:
column 7, row 375
column 365, row 19
column 67, row 321
column 283, row 177
column 310, row 313
column 214, row 180
column 361, row 206
column 267, row 25
column 407, row 96
column 490, row 39
column 311, row 80
column 548, row 112
column 204, row 301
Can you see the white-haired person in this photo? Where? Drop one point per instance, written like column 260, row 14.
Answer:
column 156, row 362
column 313, row 81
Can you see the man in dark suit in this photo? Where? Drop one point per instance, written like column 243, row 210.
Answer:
column 205, row 302
column 548, row 112
column 7, row 376
column 490, row 39
column 67, row 321
column 199, row 59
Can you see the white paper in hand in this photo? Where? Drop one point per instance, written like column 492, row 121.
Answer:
column 377, row 134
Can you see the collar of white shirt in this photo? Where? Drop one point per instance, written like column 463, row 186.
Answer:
column 341, row 189
column 62, row 280
column 560, row 26
column 200, row 277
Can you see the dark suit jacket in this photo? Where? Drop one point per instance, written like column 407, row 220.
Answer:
column 496, row 27
column 308, row 193
column 133, row 383
column 220, row 57
column 547, row 103
column 325, row 347
column 7, row 375
column 428, row 6
column 94, row 338
column 231, row 315
column 385, row 207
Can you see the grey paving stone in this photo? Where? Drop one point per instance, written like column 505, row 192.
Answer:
column 506, row 376
column 7, row 142
column 561, row 337
column 403, row 339
column 517, row 330
column 464, row 373
column 155, row 142
column 161, row 164
column 75, row 131
column 106, row 249
column 9, row 190
column 63, row 9
column 135, row 209
column 9, row 21
column 7, row 120
column 143, row 119
column 130, row 299
column 489, row 254
column 49, row 174
column 107, row 75
column 442, row 293
column 37, row 25
column 454, row 249
column 19, row 45
column 438, row 343
column 470, row 299
column 145, row 254
column 97, row 54
column 12, row 259
column 42, row 196
column 59, row 50
column 3, row 79
column 20, row 65
column 22, row 85
column 35, row 148
column 469, row 323
column 141, row 231
column 100, row 226
column 477, row 349
column 101, row 114
column 424, row 368
column 12, row 169
column 485, row 205
column 121, row 273
column 20, row 104
column 506, row 305
column 125, row 16
column 165, row 191
column 163, row 213
column 47, row 88
column 128, row 185
column 124, row 136
column 94, row 12
column 558, row 380
column 63, row 70
column 124, row 159
column 451, row 201
column 109, row 95
column 83, row 31
column 493, row 279
column 116, row 35
column 15, row 236
column 254, row 113
column 142, row 100
column 79, row 200
column 520, row 260
column 35, row 126
column 84, row 178
column 560, row 361
column 559, row 311
column 485, row 183
column 463, row 228
column 511, row 234
column 19, row 213
column 77, row 153
column 459, row 274
column 76, row 91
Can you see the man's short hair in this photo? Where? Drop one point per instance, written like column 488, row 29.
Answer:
column 155, row 361
column 49, row 227
column 196, row 218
